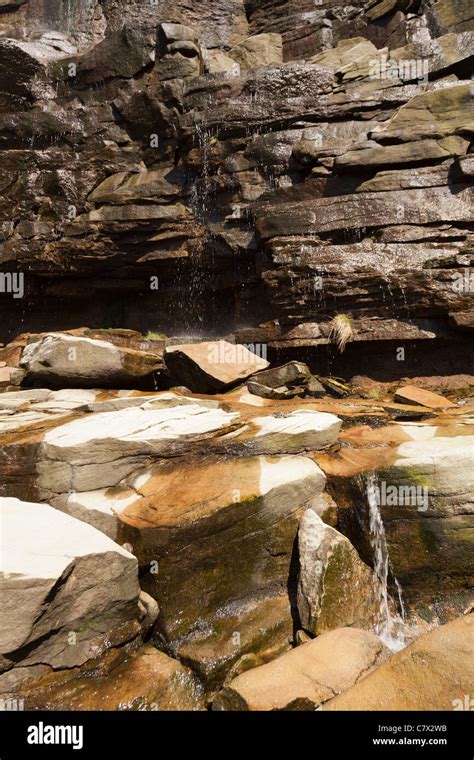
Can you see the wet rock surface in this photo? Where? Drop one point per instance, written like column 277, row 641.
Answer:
column 433, row 673
column 262, row 210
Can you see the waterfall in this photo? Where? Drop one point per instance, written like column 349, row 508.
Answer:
column 389, row 627
column 200, row 191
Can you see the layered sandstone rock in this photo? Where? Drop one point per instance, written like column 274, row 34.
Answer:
column 54, row 613
column 327, row 172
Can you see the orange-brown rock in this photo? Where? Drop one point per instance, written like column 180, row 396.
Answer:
column 307, row 676
column 436, row 672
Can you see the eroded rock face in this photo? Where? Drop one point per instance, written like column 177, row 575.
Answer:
column 308, row 676
column 69, row 592
column 260, row 160
column 433, row 673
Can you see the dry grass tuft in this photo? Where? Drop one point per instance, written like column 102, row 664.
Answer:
column 342, row 331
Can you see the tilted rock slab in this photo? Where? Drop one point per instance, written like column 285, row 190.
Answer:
column 100, row 450
column 335, row 587
column 295, row 431
column 211, row 367
column 68, row 591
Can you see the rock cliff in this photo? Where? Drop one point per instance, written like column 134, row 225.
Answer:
column 255, row 167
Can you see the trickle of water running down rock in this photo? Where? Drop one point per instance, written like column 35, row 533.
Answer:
column 389, row 626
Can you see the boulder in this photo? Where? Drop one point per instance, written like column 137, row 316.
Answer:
column 436, row 672
column 314, row 388
column 68, row 591
column 264, row 391
column 307, row 676
column 335, row 588
column 291, row 374
column 58, row 359
column 255, row 629
column 224, row 545
column 211, row 367
column 290, row 380
column 259, row 50
column 144, row 680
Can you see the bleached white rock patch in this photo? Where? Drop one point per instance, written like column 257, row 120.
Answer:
column 60, row 576
column 99, row 450
column 286, row 470
column 296, row 431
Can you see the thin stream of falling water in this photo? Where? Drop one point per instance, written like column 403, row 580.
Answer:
column 388, row 627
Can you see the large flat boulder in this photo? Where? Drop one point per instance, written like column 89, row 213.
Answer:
column 308, row 676
column 99, row 450
column 66, row 360
column 436, row 672
column 211, row 367
column 68, row 591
